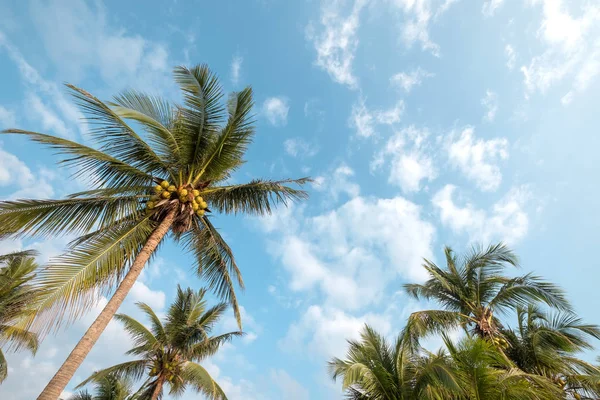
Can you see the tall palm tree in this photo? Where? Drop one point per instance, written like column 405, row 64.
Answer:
column 17, row 270
column 375, row 369
column 164, row 180
column 547, row 345
column 169, row 353
column 109, row 387
column 473, row 290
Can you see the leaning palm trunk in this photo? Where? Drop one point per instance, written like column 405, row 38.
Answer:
column 158, row 389
column 62, row 377
column 188, row 151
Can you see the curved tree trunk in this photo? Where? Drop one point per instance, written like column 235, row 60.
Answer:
column 158, row 388
column 62, row 377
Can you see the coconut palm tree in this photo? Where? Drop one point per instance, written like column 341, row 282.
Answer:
column 169, row 353
column 375, row 369
column 108, row 388
column 547, row 345
column 17, row 270
column 473, row 369
column 166, row 179
column 484, row 373
column 473, row 290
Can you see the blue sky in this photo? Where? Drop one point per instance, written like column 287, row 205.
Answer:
column 423, row 122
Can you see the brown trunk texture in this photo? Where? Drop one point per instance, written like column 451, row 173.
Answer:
column 62, row 377
column 158, row 389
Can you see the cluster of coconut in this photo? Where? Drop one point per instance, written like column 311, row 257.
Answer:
column 166, row 191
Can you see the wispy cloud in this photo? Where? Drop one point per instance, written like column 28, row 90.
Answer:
column 490, row 103
column 236, row 69
column 407, row 80
column 365, row 120
column 335, row 39
column 276, row 109
column 477, row 158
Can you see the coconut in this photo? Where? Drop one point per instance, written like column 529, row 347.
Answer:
column 158, row 189
column 172, row 188
column 164, row 184
column 204, row 204
column 150, row 205
column 198, row 199
column 195, row 206
column 166, row 195
column 183, row 192
column 200, row 213
column 196, row 192
column 183, row 199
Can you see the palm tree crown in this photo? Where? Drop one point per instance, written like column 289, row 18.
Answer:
column 17, row 270
column 473, row 290
column 169, row 353
column 548, row 344
column 109, row 387
column 177, row 167
column 165, row 180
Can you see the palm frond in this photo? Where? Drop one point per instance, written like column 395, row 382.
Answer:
column 63, row 217
column 139, row 333
column 115, row 137
column 202, row 112
column 257, row 197
column 156, row 115
column 128, row 370
column 96, row 166
column 75, row 280
column 215, row 261
column 196, row 376
column 225, row 153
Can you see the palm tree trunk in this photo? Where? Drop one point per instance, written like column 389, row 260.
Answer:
column 158, row 388
column 62, row 377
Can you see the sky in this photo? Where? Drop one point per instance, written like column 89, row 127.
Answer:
column 423, row 123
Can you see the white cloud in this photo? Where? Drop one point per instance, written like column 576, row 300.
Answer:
column 350, row 253
column 236, row 69
column 38, row 85
column 490, row 102
column 477, row 158
column 511, row 56
column 572, row 48
column 289, row 388
column 409, row 162
column 48, row 118
column 298, row 147
column 364, row 120
column 507, row 220
column 14, row 171
column 490, row 7
column 142, row 293
column 338, row 182
column 323, row 331
column 408, row 80
column 336, row 40
column 419, row 14
column 7, row 118
column 78, row 38
column 276, row 110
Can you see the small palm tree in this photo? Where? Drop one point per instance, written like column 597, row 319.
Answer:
column 374, row 369
column 108, row 388
column 473, row 290
column 17, row 293
column 164, row 180
column 484, row 373
column 547, row 345
column 169, row 353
